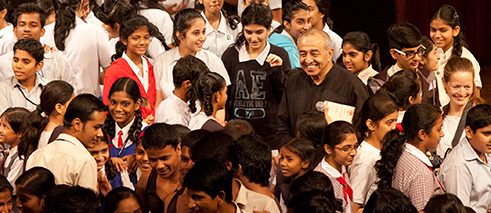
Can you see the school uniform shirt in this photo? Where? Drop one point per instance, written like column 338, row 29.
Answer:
column 256, row 90
column 13, row 94
column 217, row 41
column 301, row 94
column 413, row 177
column 428, row 87
column 400, row 116
column 340, row 192
column 273, row 4
column 449, row 127
column 44, row 138
column 87, row 48
column 285, row 41
column 68, row 160
column 56, row 67
column 249, row 201
column 173, row 110
column 363, row 174
column 162, row 20
column 202, row 121
column 13, row 165
column 7, row 39
column 464, row 174
column 365, row 74
column 115, row 148
column 444, row 99
column 336, row 42
column 125, row 67
column 374, row 83
column 164, row 64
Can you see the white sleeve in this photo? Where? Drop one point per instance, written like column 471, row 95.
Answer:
column 275, row 4
column 87, row 176
column 103, row 48
column 216, row 65
column 65, row 70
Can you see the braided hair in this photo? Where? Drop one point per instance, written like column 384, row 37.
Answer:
column 449, row 15
column 205, row 87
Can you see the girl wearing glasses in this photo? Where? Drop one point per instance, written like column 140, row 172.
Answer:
column 404, row 165
column 446, row 31
column 340, row 144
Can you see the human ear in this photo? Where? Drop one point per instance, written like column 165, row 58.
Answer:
column 327, row 149
column 371, row 125
column 368, row 55
column 456, row 31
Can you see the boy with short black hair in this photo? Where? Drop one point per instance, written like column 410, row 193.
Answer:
column 24, row 89
column 175, row 109
column 6, row 199
column 405, row 44
column 466, row 171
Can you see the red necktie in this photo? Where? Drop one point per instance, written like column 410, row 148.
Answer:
column 347, row 191
column 120, row 139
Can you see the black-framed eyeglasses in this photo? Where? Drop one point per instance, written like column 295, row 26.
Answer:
column 411, row 54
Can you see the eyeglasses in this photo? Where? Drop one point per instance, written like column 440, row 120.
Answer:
column 348, row 148
column 411, row 54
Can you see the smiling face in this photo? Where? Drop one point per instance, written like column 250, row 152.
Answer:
column 430, row 61
column 6, row 201
column 405, row 62
column 29, row 26
column 315, row 56
column 343, row 153
column 25, row 66
column 443, row 34
column 256, row 37
column 166, row 161
column 141, row 158
column 460, row 87
column 89, row 132
column 122, row 108
column 137, row 42
column 192, row 40
column 100, row 153
column 7, row 134
column 315, row 14
column 355, row 60
column 300, row 22
column 28, row 203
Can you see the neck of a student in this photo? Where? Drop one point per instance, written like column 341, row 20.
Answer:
column 72, row 132
column 29, row 83
column 226, row 207
column 256, row 187
column 137, row 59
column 125, row 123
column 333, row 163
column 456, row 109
column 319, row 25
column 372, row 140
column 14, row 144
column 318, row 79
column 482, row 156
column 418, row 144
column 254, row 52
column 173, row 179
column 54, row 121
column 181, row 93
column 185, row 51
column 213, row 18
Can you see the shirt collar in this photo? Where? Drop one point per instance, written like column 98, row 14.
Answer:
column 134, row 67
column 366, row 73
column 469, row 153
column 333, row 172
column 40, row 82
column 179, row 101
column 285, row 33
column 222, row 26
column 241, row 198
column 200, row 54
column 261, row 58
column 73, row 140
column 393, row 70
column 418, row 154
column 126, row 128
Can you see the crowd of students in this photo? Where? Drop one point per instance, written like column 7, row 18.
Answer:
column 179, row 106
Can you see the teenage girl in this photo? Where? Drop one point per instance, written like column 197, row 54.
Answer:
column 211, row 91
column 46, row 122
column 122, row 200
column 157, row 15
column 85, row 45
column 31, row 187
column 130, row 62
column 340, row 146
column 459, row 84
column 124, row 124
column 428, row 65
column 221, row 28
column 11, row 129
column 405, row 89
column 189, row 36
column 295, row 160
column 378, row 115
column 258, row 71
column 404, row 165
column 446, row 30
column 360, row 55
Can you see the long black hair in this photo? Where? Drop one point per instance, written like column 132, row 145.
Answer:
column 288, row 12
column 401, row 86
column 207, row 84
column 254, row 14
column 449, row 15
column 147, row 4
column 417, row 117
column 361, row 42
column 183, row 21
column 65, row 20
column 130, row 87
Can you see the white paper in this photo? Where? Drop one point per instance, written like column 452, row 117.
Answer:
column 340, row 112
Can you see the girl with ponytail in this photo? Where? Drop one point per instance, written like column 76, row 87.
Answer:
column 447, row 31
column 158, row 16
column 85, row 45
column 130, row 62
column 360, row 55
column 404, row 164
column 211, row 91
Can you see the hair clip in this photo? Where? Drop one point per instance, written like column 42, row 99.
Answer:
column 399, row 128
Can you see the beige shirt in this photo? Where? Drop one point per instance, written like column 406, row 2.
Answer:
column 13, row 94
column 68, row 160
column 249, row 201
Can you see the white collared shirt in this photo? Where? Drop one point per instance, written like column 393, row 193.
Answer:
column 164, row 64
column 250, row 201
column 124, row 135
column 16, row 167
column 418, row 153
column 363, row 173
column 68, row 160
column 393, row 70
column 273, row 4
column 198, row 120
column 261, row 58
column 143, row 79
column 87, row 48
column 449, row 127
column 13, row 94
column 56, row 67
column 336, row 42
column 464, row 174
column 333, row 174
column 7, row 39
column 173, row 110
column 217, row 41
column 365, row 74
